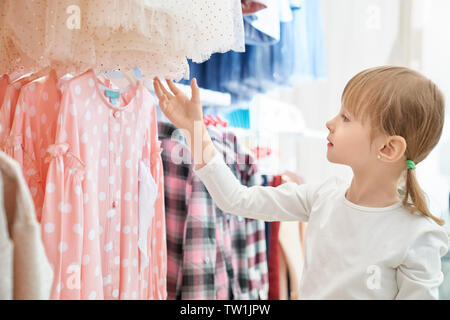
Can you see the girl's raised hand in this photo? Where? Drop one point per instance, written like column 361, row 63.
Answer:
column 177, row 107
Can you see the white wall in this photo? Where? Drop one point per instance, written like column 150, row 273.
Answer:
column 358, row 34
column 435, row 170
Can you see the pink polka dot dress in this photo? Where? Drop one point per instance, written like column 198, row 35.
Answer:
column 7, row 112
column 103, row 221
column 33, row 130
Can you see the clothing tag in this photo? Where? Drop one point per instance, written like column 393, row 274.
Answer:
column 112, row 94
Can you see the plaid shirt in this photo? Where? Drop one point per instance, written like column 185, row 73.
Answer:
column 175, row 186
column 256, row 273
column 236, row 246
column 208, row 252
column 195, row 234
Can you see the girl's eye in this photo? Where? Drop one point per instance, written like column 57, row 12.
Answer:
column 345, row 118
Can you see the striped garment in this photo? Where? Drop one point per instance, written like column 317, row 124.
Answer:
column 211, row 254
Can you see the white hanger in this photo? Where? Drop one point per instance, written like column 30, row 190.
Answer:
column 130, row 76
column 208, row 97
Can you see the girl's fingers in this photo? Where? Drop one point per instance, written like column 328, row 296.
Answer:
column 195, row 91
column 161, row 96
column 158, row 91
column 161, row 87
column 173, row 87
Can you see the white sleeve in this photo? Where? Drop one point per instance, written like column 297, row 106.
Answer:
column 288, row 202
column 420, row 275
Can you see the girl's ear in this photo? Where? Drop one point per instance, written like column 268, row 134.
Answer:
column 393, row 149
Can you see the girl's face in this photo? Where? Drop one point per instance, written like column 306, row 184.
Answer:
column 349, row 141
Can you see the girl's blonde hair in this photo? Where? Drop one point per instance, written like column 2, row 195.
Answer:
column 402, row 102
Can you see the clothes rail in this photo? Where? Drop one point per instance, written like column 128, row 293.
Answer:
column 208, row 97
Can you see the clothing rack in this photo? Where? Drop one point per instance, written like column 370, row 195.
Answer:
column 208, row 97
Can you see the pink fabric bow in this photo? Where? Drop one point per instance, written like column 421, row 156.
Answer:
column 56, row 150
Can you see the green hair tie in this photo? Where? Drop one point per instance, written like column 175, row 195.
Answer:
column 410, row 165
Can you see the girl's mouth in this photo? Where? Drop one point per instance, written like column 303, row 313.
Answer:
column 330, row 144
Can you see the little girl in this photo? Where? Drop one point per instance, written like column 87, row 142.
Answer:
column 365, row 240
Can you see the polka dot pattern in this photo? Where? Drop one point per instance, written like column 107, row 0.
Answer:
column 31, row 108
column 163, row 35
column 94, row 224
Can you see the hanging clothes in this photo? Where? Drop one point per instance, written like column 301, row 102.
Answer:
column 244, row 167
column 309, row 45
column 256, row 252
column 25, row 272
column 207, row 248
column 33, row 130
column 91, row 218
column 252, row 6
column 158, row 36
column 290, row 48
column 176, row 175
column 263, row 28
column 7, row 111
column 198, row 265
column 250, row 266
column 8, row 107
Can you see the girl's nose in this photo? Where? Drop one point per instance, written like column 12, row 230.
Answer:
column 328, row 125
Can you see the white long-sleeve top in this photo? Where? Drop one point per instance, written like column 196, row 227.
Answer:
column 352, row 252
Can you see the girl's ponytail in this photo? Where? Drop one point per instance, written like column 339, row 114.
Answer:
column 414, row 193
